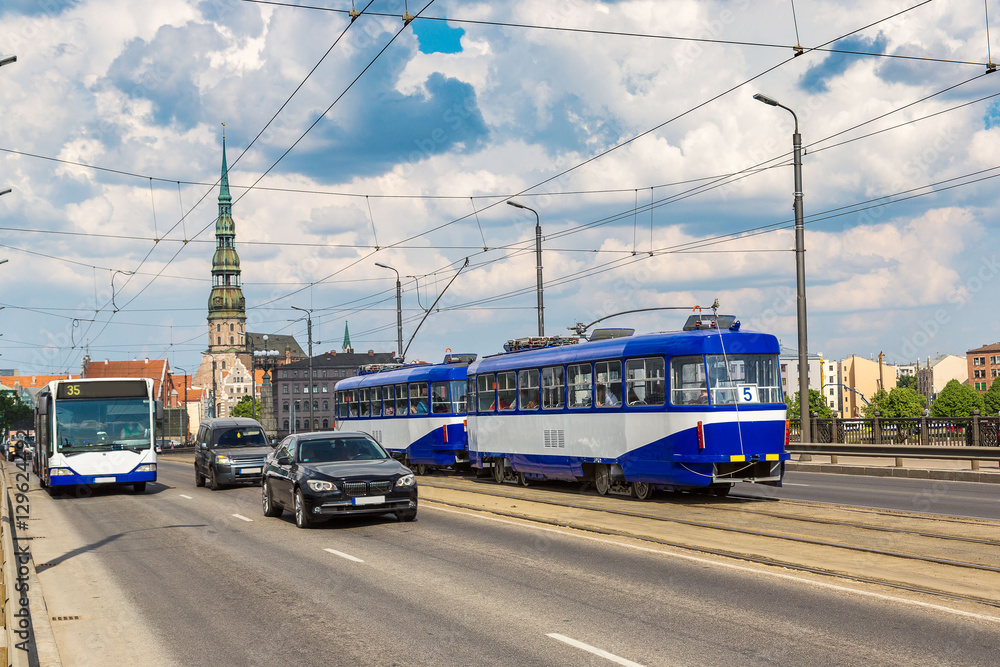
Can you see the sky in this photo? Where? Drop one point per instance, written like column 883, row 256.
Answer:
column 630, row 127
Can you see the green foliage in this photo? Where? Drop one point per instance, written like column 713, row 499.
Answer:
column 957, row 400
column 907, row 382
column 992, row 399
column 817, row 404
column 900, row 402
column 245, row 408
column 12, row 410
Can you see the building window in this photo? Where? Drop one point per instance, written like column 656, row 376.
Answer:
column 286, row 424
column 223, row 365
column 296, row 406
column 232, row 327
column 218, row 340
column 231, row 340
column 324, row 372
column 284, row 373
column 284, row 389
column 295, row 374
column 326, row 406
column 315, row 405
column 284, row 406
column 326, row 423
column 295, row 389
column 324, row 386
column 218, row 327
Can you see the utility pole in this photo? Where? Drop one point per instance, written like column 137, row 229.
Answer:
column 214, row 411
column 881, row 382
column 309, row 330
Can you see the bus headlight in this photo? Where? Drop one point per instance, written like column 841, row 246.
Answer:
column 147, row 467
column 57, row 472
column 222, row 459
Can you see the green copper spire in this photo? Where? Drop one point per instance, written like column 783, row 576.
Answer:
column 224, row 187
column 347, row 338
column 226, row 305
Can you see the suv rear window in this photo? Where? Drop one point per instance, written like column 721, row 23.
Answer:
column 246, row 436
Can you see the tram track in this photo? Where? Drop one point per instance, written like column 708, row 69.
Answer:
column 821, row 551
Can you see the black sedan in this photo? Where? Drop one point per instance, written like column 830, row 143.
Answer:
column 319, row 475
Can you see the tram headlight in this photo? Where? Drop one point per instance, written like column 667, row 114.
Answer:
column 406, row 481
column 219, row 458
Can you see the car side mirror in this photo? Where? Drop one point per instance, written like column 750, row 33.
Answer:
column 274, row 443
column 283, row 460
column 202, row 445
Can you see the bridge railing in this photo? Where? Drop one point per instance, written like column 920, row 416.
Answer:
column 974, row 431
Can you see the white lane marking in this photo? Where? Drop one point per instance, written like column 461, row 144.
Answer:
column 791, row 484
column 188, row 497
column 243, row 518
column 740, row 568
column 596, row 651
column 343, row 555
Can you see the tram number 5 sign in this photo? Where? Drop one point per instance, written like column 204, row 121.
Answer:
column 747, row 394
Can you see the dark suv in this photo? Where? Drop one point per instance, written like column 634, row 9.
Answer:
column 230, row 450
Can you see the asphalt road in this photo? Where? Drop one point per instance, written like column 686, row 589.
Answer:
column 191, row 581
column 965, row 499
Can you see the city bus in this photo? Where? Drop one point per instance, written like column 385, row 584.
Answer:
column 97, row 431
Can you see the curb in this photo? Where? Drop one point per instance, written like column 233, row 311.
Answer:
column 906, row 473
column 21, row 585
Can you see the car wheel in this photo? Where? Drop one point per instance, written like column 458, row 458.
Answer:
column 406, row 515
column 199, row 479
column 602, row 479
column 212, row 482
column 302, row 519
column 270, row 509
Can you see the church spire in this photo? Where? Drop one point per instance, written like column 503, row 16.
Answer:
column 224, row 186
column 226, row 305
column 347, row 340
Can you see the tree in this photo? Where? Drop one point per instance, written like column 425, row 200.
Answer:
column 900, row 402
column 957, row 400
column 12, row 410
column 245, row 408
column 992, row 399
column 907, row 382
column 817, row 404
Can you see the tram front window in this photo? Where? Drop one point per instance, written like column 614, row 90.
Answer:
column 744, row 378
column 103, row 425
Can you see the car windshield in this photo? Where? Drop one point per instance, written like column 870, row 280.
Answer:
column 329, row 450
column 246, row 436
column 103, row 424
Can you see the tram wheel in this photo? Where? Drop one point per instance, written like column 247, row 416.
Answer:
column 602, row 479
column 498, row 470
column 642, row 490
column 420, row 469
column 523, row 480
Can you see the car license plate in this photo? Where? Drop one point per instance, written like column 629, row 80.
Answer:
column 249, row 471
column 369, row 500
column 105, row 480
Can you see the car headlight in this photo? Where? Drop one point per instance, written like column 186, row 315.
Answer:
column 320, row 485
column 222, row 459
column 147, row 467
column 406, row 480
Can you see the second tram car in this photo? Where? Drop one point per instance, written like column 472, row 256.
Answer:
column 416, row 412
column 698, row 409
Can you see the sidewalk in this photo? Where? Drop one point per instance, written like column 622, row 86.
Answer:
column 943, row 469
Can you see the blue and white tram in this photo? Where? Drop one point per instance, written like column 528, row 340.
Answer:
column 417, row 412
column 698, row 409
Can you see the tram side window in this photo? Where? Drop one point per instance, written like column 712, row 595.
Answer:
column 506, row 390
column 401, row 400
column 458, row 396
column 389, row 400
column 484, row 389
column 470, row 382
column 418, row 398
column 352, row 401
column 608, row 383
column 376, row 401
column 528, row 383
column 645, row 381
column 363, row 401
column 553, row 388
column 440, row 405
column 578, row 379
column 687, row 381
column 342, row 405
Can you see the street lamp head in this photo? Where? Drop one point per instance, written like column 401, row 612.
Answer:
column 765, row 99
column 4, row 191
column 8, row 60
column 511, row 202
column 385, row 266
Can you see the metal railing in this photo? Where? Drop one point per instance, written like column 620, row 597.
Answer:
column 974, row 431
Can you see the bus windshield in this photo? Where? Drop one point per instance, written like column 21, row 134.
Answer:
column 88, row 425
column 744, row 378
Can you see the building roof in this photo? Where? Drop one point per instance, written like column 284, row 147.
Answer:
column 343, row 360
column 276, row 342
column 33, row 381
column 155, row 369
column 995, row 347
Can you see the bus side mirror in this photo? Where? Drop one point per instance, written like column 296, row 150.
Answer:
column 43, row 407
column 159, row 409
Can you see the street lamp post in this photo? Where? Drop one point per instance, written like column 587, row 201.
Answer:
column 538, row 258
column 309, row 330
column 399, row 309
column 800, row 272
column 186, row 417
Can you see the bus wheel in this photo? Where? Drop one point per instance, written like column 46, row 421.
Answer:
column 139, row 487
column 722, row 490
column 498, row 470
column 523, row 480
column 642, row 490
column 602, row 479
